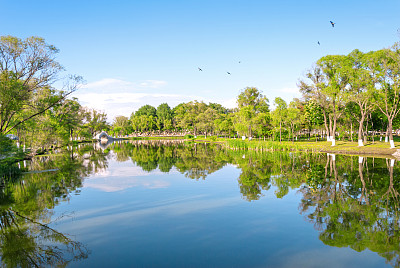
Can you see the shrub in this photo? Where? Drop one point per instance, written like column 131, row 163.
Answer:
column 9, row 155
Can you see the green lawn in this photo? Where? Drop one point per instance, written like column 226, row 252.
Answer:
column 342, row 147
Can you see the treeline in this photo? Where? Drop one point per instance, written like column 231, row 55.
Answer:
column 343, row 96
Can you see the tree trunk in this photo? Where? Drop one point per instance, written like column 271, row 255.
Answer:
column 389, row 133
column 326, row 126
column 332, row 129
column 351, row 131
column 360, row 130
column 292, row 133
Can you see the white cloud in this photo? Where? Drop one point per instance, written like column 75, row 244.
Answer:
column 117, row 85
column 153, row 84
column 109, row 84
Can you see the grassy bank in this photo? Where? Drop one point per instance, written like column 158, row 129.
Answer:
column 155, row 138
column 376, row 148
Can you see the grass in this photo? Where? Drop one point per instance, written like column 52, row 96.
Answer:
column 378, row 148
column 342, row 147
column 154, row 138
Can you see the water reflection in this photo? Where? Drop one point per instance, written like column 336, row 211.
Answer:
column 355, row 206
column 352, row 201
column 27, row 240
column 195, row 161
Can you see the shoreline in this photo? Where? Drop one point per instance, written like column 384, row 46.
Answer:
column 376, row 149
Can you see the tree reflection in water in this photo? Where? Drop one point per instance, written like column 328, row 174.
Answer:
column 352, row 201
column 356, row 208
column 27, row 240
column 195, row 161
column 350, row 207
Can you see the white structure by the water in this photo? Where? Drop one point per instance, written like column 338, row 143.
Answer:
column 103, row 136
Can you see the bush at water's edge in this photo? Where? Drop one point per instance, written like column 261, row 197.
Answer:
column 9, row 156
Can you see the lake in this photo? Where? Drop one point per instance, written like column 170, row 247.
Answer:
column 177, row 204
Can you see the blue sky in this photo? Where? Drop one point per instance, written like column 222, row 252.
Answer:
column 133, row 53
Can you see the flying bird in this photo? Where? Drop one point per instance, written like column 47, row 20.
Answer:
column 319, row 43
column 332, row 23
column 199, row 69
column 239, row 61
column 228, row 72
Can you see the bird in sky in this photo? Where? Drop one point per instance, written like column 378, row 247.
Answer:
column 228, row 72
column 332, row 23
column 318, row 43
column 239, row 61
column 199, row 69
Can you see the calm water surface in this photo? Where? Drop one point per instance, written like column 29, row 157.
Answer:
column 152, row 204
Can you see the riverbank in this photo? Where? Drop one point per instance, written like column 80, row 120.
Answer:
column 376, row 148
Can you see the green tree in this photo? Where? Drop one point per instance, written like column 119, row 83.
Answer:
column 361, row 89
column 186, row 115
column 293, row 118
column 205, row 120
column 329, row 79
column 28, row 67
column 385, row 67
column 279, row 114
column 313, row 114
column 146, row 110
column 224, row 124
column 250, row 103
column 94, row 121
column 121, row 125
column 164, row 117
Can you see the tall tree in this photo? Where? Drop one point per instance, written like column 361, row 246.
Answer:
column 250, row 103
column 164, row 116
column 26, row 68
column 121, row 125
column 147, row 110
column 94, row 121
column 329, row 79
column 205, row 121
column 293, row 117
column 186, row 115
column 386, row 74
column 279, row 114
column 361, row 89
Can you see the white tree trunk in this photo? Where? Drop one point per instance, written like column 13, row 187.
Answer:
column 386, row 138
column 333, row 142
column 360, row 143
column 392, row 144
column 360, row 159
